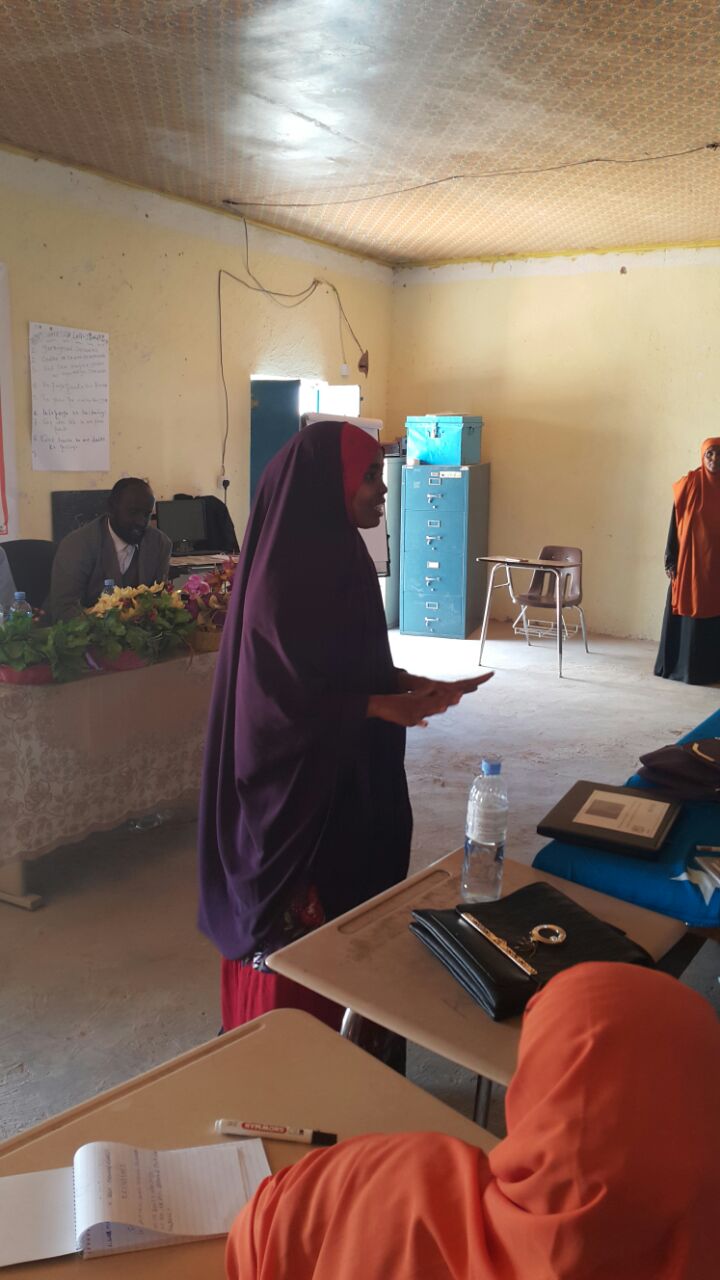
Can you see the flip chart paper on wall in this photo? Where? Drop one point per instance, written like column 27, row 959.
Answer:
column 69, row 374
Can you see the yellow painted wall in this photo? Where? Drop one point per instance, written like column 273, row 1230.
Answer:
column 596, row 384
column 597, row 387
column 90, row 253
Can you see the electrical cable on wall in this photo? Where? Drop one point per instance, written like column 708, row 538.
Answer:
column 473, row 177
column 283, row 300
column 225, row 389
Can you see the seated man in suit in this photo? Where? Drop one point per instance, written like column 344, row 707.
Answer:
column 121, row 545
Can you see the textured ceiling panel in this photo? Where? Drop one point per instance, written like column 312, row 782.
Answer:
column 316, row 116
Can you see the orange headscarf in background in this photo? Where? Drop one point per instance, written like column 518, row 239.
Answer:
column 611, row 1166
column 696, row 585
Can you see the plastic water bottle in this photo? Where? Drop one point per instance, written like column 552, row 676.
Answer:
column 485, row 832
column 108, row 586
column 20, row 605
column 2, row 615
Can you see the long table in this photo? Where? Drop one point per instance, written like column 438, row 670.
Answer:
column 283, row 1068
column 368, row 960
column 86, row 756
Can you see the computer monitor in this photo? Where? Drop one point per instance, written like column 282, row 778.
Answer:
column 183, row 520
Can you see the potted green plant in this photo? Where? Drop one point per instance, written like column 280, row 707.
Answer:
column 66, row 645
column 23, row 651
column 108, row 649
column 152, row 621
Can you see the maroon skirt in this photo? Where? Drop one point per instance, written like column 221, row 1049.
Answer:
column 246, row 993
column 248, row 988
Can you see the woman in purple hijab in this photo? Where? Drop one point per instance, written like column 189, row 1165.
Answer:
column 304, row 810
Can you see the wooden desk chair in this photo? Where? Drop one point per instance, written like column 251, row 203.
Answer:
column 541, row 594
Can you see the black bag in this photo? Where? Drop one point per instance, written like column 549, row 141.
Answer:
column 687, row 771
column 495, row 981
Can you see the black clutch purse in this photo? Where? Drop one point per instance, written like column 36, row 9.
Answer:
column 502, row 952
column 686, row 771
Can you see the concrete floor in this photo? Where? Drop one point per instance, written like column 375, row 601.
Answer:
column 111, row 976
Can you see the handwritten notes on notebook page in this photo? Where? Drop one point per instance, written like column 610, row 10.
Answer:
column 132, row 1198
column 70, row 415
column 117, row 1198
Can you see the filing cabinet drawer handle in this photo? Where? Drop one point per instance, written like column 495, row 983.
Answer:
column 429, row 621
column 432, row 537
column 434, row 497
column 429, row 580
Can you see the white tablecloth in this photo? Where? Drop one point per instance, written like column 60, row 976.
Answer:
column 86, row 756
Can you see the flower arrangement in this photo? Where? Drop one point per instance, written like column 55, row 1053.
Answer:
column 207, row 596
column 151, row 621
column 33, row 654
column 130, row 627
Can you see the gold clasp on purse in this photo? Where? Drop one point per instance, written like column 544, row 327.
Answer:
column 703, row 755
column 549, row 934
column 499, row 943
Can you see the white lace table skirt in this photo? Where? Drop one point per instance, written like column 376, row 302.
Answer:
column 86, row 756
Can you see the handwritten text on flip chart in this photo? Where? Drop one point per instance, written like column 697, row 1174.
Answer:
column 69, row 372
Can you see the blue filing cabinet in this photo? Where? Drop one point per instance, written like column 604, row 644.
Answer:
column 444, row 528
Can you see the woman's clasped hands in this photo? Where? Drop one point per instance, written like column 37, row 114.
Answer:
column 418, row 698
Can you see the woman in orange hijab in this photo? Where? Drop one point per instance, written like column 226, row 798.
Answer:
column 690, row 640
column 611, row 1166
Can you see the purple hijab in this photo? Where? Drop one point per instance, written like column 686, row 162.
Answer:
column 298, row 785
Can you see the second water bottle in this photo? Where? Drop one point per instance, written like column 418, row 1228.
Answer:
column 20, row 605
column 485, row 833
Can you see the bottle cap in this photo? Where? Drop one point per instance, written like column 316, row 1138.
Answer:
column 490, row 766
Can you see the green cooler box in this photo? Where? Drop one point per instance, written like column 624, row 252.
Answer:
column 444, row 439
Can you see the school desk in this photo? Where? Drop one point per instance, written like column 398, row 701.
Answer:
column 283, row 1068
column 369, row 961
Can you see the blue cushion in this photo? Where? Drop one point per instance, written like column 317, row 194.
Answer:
column 650, row 884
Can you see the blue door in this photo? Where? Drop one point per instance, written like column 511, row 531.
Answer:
column 274, row 419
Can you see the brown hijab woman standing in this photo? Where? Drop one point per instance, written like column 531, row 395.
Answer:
column 690, row 641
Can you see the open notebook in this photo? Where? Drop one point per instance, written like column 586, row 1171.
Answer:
column 115, row 1198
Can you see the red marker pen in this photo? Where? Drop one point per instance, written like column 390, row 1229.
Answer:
column 282, row 1132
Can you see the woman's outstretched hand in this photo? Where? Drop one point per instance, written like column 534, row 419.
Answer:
column 423, row 698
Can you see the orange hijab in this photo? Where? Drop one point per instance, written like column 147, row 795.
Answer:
column 611, row 1166
column 696, row 585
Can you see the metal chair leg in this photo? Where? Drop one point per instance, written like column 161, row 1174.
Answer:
column 486, row 615
column 351, row 1026
column 558, row 618
column 481, row 1104
column 523, row 615
column 582, row 624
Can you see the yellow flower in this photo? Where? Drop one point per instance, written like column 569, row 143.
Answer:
column 127, row 600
